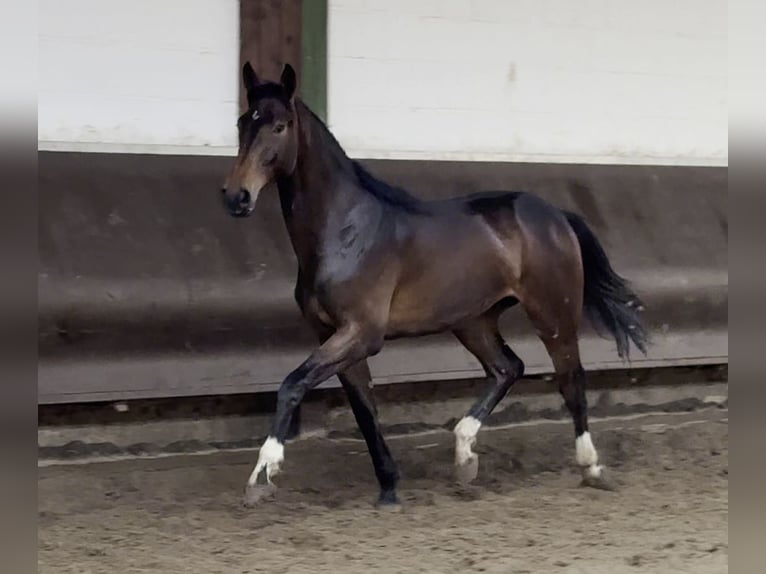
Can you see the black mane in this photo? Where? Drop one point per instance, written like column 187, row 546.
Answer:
column 386, row 193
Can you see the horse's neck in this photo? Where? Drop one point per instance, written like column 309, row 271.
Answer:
column 322, row 186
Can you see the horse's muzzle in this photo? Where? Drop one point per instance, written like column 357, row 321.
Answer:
column 239, row 203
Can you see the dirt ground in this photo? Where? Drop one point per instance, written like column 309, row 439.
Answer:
column 526, row 512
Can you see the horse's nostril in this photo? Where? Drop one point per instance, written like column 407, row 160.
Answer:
column 237, row 202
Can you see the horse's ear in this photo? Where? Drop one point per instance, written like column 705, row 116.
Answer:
column 249, row 77
column 288, row 80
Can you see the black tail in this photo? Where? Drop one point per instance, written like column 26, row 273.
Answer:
column 608, row 300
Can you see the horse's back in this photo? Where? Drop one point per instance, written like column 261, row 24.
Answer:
column 541, row 249
column 524, row 206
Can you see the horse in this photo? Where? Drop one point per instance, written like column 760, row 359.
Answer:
column 376, row 263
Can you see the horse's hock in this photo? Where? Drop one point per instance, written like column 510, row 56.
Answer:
column 147, row 288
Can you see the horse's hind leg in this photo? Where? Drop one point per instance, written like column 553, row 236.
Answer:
column 551, row 290
column 482, row 338
column 558, row 330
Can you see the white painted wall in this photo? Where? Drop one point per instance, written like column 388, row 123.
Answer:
column 519, row 80
column 138, row 75
column 622, row 81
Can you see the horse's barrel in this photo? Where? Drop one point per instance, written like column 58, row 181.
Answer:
column 148, row 288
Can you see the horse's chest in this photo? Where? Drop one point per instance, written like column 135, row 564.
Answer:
column 341, row 290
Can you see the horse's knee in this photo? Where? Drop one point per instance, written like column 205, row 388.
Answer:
column 370, row 345
column 506, row 369
column 515, row 364
column 290, row 394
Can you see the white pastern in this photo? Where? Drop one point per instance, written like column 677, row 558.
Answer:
column 271, row 455
column 465, row 438
column 586, row 455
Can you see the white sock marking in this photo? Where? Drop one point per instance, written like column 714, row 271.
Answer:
column 586, row 455
column 271, row 455
column 593, row 471
column 465, row 437
column 585, row 451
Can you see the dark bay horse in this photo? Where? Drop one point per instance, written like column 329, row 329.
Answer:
column 376, row 263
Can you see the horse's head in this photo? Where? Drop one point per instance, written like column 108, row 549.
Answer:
column 268, row 140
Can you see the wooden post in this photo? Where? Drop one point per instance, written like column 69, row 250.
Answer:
column 270, row 37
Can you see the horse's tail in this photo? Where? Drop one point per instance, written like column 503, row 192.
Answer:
column 608, row 301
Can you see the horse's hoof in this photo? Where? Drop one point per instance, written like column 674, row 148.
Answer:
column 468, row 471
column 388, row 501
column 388, row 506
column 601, row 480
column 257, row 493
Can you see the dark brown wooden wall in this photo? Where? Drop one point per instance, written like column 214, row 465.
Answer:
column 270, row 37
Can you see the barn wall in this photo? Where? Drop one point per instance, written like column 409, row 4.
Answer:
column 148, row 289
column 138, row 76
column 530, row 80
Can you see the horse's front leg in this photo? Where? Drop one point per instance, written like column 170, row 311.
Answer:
column 344, row 348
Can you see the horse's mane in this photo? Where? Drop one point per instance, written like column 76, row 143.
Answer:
column 389, row 194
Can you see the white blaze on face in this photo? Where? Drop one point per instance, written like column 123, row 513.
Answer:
column 270, row 456
column 465, row 437
column 586, row 455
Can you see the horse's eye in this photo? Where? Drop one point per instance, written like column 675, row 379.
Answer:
column 278, row 128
